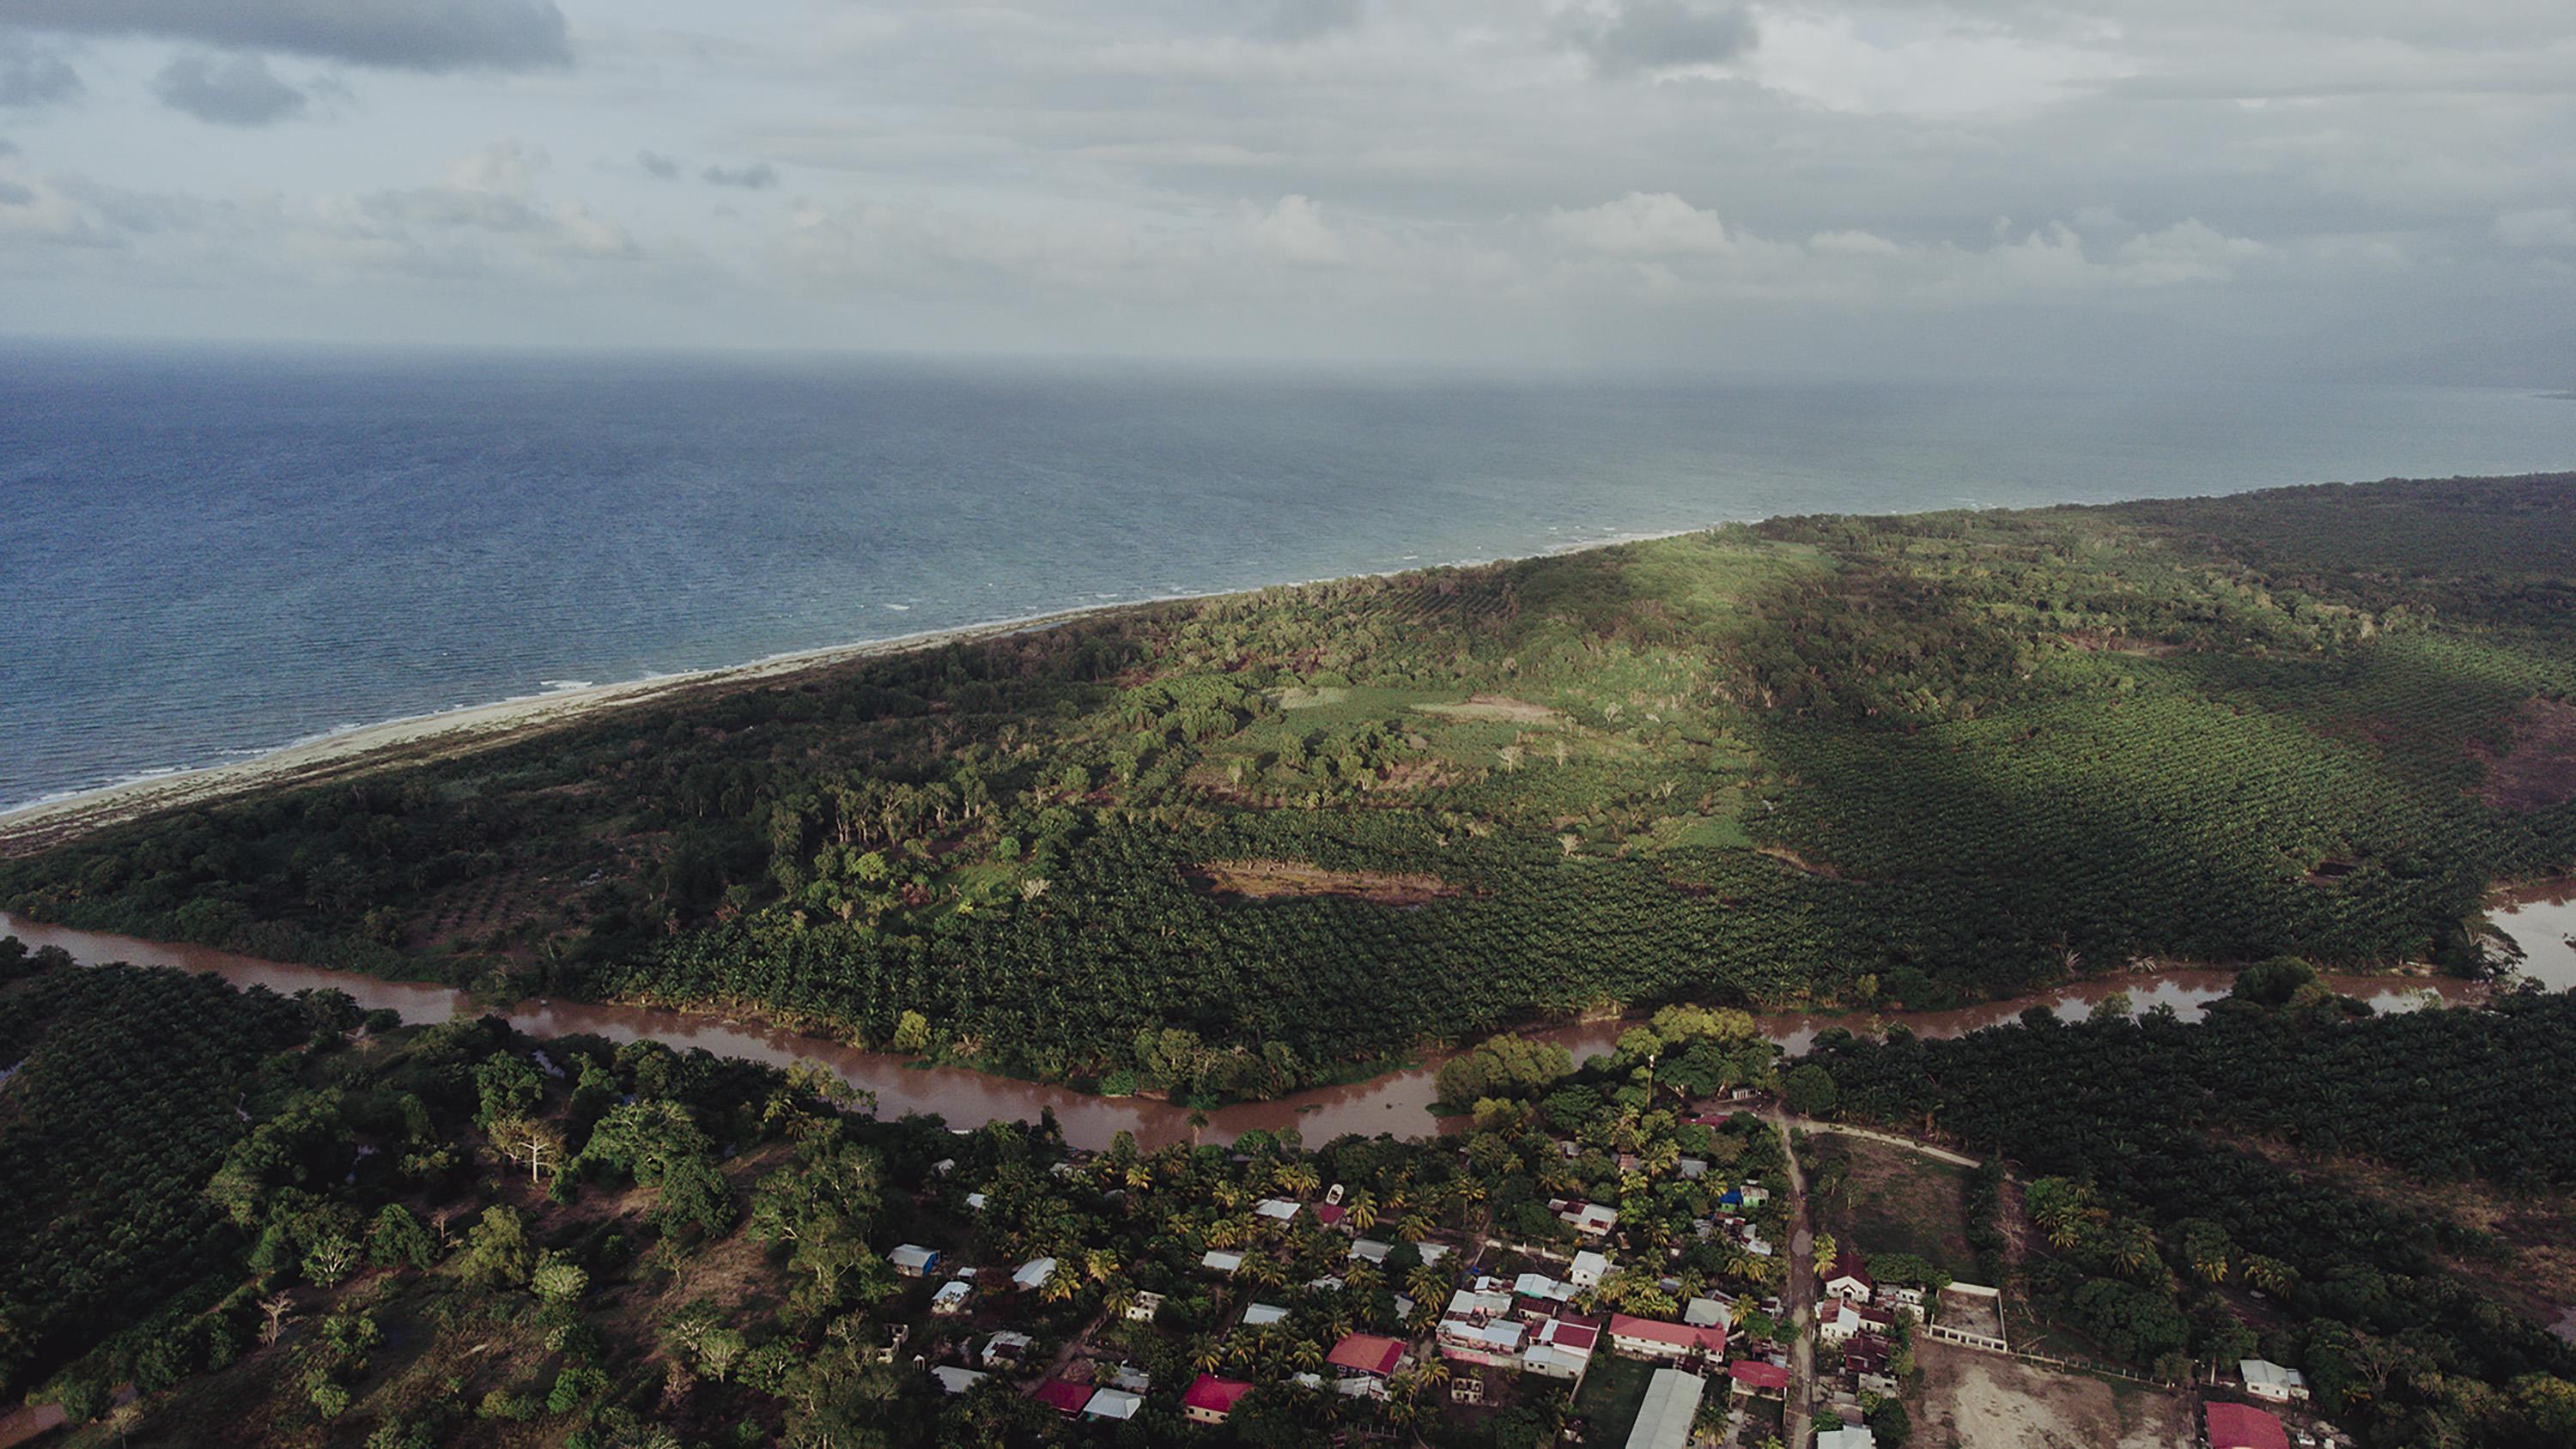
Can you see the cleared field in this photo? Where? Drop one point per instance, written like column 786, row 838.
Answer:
column 1895, row 1201
column 1985, row 1401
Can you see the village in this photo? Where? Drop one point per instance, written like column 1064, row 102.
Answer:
column 1709, row 1308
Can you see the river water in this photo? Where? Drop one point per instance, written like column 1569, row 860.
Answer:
column 1399, row 1102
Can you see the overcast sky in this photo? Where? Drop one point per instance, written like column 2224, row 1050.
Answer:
column 2315, row 186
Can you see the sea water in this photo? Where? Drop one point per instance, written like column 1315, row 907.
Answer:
column 204, row 554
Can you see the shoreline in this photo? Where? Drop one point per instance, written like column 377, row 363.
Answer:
column 418, row 738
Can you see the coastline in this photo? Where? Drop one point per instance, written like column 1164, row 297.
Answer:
column 462, row 730
column 413, row 739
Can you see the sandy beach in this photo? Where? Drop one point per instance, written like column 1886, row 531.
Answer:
column 450, row 732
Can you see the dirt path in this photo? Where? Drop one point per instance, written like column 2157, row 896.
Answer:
column 1798, row 1297
column 1941, row 1154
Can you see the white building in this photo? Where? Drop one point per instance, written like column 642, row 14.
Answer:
column 956, row 1380
column 2265, row 1379
column 1849, row 1436
column 951, row 1298
column 1033, row 1274
column 1588, row 1269
column 1671, row 1407
column 1221, row 1262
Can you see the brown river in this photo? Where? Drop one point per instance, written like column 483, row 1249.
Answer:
column 1398, row 1102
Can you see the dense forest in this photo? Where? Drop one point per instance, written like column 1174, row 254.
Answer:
column 261, row 1221
column 2280, row 1177
column 1238, row 845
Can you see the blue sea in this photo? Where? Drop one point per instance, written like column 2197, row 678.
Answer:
column 207, row 554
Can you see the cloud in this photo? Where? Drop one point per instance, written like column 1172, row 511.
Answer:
column 2540, row 227
column 1645, row 36
column 657, row 165
column 30, row 77
column 492, row 191
column 425, row 35
column 1642, row 225
column 235, row 91
column 759, row 176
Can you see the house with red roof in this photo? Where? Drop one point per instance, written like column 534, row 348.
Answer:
column 1367, row 1353
column 1063, row 1396
column 1848, row 1280
column 1752, row 1376
column 2242, row 1426
column 1209, row 1398
column 1654, row 1338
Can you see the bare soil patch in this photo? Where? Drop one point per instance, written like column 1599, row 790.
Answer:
column 1799, row 863
column 1986, row 1401
column 1496, row 706
column 1263, row 880
column 2540, row 770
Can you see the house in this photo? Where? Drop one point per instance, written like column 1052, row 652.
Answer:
column 1672, row 1405
column 1654, row 1338
column 1144, row 1306
column 975, row 1201
column 1902, row 1296
column 1131, row 1378
column 2239, row 1426
column 957, row 1380
column 1033, row 1274
column 1752, row 1376
column 1220, row 1262
column 1847, row 1280
column 1540, row 1294
column 1366, row 1353
column 1498, row 1343
column 1692, row 1169
column 1064, row 1397
column 913, row 1260
column 1837, row 1321
column 1329, row 1214
column 1588, row 1269
column 1431, row 1253
column 1113, row 1404
column 1708, row 1313
column 1589, row 1218
column 1277, row 1209
column 1849, row 1436
column 1370, row 1250
column 1209, row 1398
column 2267, row 1380
column 1478, row 1306
column 1262, row 1315
column 951, row 1298
column 1558, row 1349
column 1005, row 1349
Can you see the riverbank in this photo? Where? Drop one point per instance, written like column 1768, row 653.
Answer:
column 1402, row 1103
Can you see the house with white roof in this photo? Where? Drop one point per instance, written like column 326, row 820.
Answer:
column 951, row 1298
column 1005, row 1349
column 1221, row 1262
column 1588, row 1269
column 1262, row 1315
column 913, row 1260
column 1847, row 1436
column 2265, row 1379
column 1033, row 1274
column 957, row 1380
column 1277, row 1209
column 1113, row 1404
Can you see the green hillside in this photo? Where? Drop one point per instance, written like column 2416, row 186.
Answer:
column 1235, row 845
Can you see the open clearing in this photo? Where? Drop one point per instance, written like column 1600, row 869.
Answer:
column 1897, row 1201
column 1495, row 706
column 1987, row 1401
column 2540, row 770
column 1262, row 880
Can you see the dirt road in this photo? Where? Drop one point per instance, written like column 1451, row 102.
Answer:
column 1798, row 1297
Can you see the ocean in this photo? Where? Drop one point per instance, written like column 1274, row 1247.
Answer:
column 207, row 554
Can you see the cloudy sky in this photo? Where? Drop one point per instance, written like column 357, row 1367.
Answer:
column 2328, row 186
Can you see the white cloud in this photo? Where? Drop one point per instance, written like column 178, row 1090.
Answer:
column 1642, row 225
column 2547, row 226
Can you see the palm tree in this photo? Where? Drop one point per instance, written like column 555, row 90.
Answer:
column 1361, row 1211
column 1427, row 1284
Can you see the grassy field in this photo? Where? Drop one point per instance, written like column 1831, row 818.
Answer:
column 1895, row 1201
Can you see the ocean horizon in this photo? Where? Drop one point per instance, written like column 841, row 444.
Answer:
column 211, row 554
